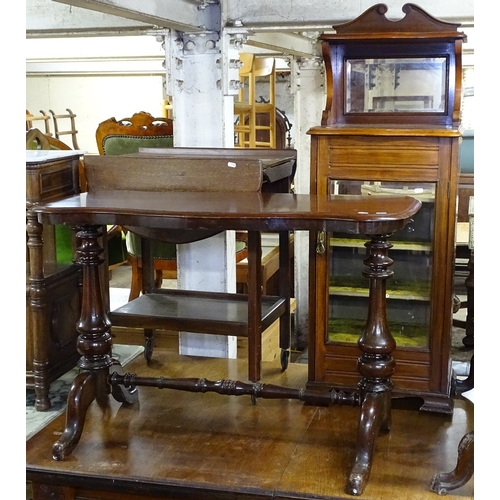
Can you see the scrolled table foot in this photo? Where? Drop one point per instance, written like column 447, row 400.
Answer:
column 437, row 485
column 374, row 416
column 444, row 482
column 81, row 394
column 358, row 478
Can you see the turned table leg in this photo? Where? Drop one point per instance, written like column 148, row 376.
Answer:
column 38, row 307
column 94, row 344
column 376, row 365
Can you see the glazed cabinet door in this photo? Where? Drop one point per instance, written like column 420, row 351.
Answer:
column 419, row 295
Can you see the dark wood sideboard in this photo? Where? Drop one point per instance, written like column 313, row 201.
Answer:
column 52, row 288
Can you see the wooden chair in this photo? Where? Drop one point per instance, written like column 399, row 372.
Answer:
column 36, row 139
column 72, row 129
column 127, row 136
column 43, row 117
column 283, row 127
column 255, row 119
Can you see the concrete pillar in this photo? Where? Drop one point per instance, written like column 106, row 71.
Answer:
column 308, row 88
column 203, row 117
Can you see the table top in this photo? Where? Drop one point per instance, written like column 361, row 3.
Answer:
column 238, row 211
column 265, row 155
column 40, row 156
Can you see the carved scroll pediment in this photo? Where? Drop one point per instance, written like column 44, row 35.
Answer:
column 373, row 22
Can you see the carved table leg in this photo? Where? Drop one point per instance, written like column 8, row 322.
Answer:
column 93, row 343
column 376, row 365
column 446, row 481
column 38, row 306
column 81, row 395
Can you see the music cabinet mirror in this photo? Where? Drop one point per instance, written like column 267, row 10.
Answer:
column 396, row 85
column 403, row 72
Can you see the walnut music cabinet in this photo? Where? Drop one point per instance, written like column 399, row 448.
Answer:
column 53, row 288
column 391, row 125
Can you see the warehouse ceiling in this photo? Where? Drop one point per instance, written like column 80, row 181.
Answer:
column 271, row 26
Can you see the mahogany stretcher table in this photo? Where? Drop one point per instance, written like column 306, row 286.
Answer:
column 376, row 217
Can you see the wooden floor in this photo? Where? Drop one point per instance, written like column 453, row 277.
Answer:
column 175, row 445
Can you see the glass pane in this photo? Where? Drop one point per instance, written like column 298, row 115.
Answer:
column 408, row 291
column 410, row 85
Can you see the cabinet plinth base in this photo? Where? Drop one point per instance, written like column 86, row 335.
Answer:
column 430, row 402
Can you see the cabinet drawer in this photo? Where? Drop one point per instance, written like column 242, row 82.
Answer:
column 382, row 151
column 412, row 372
column 51, row 181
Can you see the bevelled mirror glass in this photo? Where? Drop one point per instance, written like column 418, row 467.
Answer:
column 396, row 85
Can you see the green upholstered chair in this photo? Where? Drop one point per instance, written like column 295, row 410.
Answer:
column 127, row 136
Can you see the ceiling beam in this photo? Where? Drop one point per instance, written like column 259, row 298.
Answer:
column 45, row 18
column 181, row 15
column 278, row 26
column 318, row 14
column 262, row 15
column 285, row 43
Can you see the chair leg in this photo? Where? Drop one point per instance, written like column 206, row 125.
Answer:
column 136, row 282
column 149, row 336
column 158, row 278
